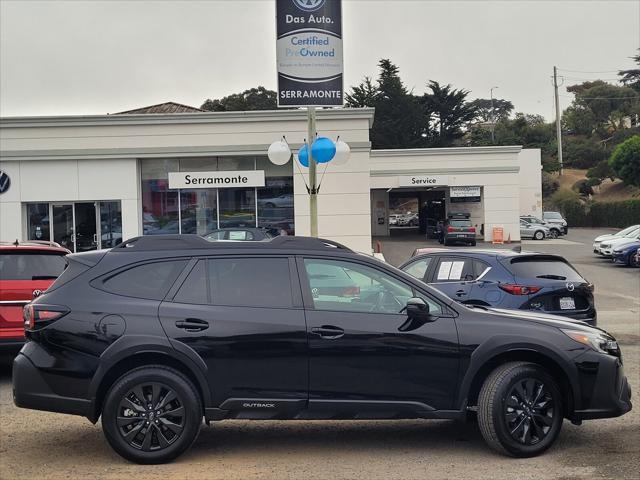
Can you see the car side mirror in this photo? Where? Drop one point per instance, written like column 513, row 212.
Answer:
column 417, row 308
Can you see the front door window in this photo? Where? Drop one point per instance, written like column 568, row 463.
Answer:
column 63, row 229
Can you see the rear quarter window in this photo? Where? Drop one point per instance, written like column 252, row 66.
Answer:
column 31, row 265
column 150, row 280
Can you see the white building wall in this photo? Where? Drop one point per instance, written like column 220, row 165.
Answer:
column 530, row 182
column 95, row 158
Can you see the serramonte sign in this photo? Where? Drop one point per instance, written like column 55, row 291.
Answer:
column 309, row 52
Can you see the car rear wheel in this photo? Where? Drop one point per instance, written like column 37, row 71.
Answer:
column 539, row 235
column 553, row 233
column 520, row 409
column 152, row 415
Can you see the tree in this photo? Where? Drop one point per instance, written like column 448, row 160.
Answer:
column 625, row 161
column 253, row 99
column 631, row 78
column 398, row 122
column 609, row 107
column 363, row 95
column 446, row 113
column 485, row 113
column 583, row 152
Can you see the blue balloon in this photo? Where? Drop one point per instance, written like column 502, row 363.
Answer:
column 303, row 156
column 323, row 150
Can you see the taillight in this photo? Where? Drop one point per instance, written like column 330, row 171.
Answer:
column 351, row 292
column 472, row 229
column 41, row 315
column 519, row 289
column 451, row 229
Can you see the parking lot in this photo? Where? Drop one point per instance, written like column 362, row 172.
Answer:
column 46, row 445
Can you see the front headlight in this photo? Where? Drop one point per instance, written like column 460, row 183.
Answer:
column 598, row 341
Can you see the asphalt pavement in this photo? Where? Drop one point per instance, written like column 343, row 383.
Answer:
column 41, row 445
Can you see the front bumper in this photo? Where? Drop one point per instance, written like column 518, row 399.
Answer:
column 604, row 389
column 30, row 390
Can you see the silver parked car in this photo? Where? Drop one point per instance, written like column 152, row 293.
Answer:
column 536, row 231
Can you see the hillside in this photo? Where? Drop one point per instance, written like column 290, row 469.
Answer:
column 608, row 191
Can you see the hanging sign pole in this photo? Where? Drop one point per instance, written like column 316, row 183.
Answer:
column 310, row 69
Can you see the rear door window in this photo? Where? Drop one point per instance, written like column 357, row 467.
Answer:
column 36, row 265
column 250, row 282
column 454, row 269
column 544, row 268
column 150, row 280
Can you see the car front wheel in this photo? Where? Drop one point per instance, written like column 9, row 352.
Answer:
column 539, row 235
column 152, row 414
column 520, row 409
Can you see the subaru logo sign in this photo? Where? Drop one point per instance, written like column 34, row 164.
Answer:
column 308, row 5
column 5, row 182
column 570, row 287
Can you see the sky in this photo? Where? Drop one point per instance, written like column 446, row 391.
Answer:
column 94, row 57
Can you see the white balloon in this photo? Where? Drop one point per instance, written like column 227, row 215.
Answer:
column 343, row 152
column 279, row 152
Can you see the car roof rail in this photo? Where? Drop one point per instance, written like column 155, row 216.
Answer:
column 18, row 243
column 188, row 241
column 308, row 243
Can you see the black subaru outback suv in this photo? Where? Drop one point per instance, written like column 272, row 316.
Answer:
column 159, row 332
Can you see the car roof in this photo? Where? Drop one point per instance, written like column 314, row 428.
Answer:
column 33, row 245
column 473, row 251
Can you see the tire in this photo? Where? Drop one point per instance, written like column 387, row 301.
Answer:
column 270, row 205
column 446, row 242
column 538, row 235
column 473, row 244
column 168, row 435
column 499, row 404
column 554, row 233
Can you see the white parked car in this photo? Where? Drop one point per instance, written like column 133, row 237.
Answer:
column 611, row 236
column 607, row 247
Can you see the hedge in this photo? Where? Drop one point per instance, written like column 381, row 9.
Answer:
column 601, row 214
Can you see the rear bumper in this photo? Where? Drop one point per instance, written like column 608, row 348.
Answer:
column 461, row 237
column 30, row 390
column 605, row 391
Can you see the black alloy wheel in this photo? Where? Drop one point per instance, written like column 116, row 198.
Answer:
column 151, row 416
column 529, row 411
column 520, row 409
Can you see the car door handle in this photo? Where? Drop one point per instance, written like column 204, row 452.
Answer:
column 461, row 293
column 192, row 324
column 328, row 331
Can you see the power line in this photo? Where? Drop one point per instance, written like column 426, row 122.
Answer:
column 584, row 71
column 603, row 98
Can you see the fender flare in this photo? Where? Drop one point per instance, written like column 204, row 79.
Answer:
column 504, row 344
column 131, row 345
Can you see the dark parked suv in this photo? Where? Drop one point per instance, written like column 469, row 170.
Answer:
column 508, row 279
column 161, row 331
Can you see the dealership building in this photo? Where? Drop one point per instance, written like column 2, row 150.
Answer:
column 89, row 181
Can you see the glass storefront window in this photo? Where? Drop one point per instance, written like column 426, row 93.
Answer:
column 237, row 207
column 198, row 211
column 38, row 221
column 275, row 199
column 159, row 204
column 110, row 224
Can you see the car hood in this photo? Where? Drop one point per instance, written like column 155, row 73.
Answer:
column 607, row 236
column 627, row 244
column 544, row 318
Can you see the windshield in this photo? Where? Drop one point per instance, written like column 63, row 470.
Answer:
column 632, row 233
column 626, row 231
column 25, row 265
column 460, row 223
column 553, row 215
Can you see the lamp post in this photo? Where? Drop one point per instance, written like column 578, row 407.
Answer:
column 493, row 120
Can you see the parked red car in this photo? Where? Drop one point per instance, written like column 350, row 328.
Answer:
column 26, row 270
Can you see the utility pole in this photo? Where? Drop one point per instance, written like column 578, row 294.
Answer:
column 558, row 120
column 313, row 188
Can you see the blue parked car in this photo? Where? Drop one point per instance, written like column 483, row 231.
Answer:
column 507, row 279
column 627, row 254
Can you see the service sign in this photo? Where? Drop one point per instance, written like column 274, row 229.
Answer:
column 309, row 53
column 423, row 180
column 230, row 179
